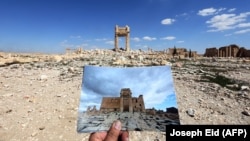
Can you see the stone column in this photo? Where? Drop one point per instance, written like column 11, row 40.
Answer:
column 127, row 39
column 116, row 42
column 130, row 105
column 226, row 52
column 230, row 51
column 127, row 42
column 121, row 104
column 116, row 38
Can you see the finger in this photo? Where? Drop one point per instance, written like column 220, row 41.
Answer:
column 114, row 131
column 124, row 136
column 98, row 136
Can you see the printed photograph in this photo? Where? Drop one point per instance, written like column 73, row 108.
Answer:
column 142, row 98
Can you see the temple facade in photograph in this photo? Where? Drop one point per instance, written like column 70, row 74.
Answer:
column 124, row 103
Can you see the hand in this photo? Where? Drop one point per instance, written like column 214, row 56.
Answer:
column 114, row 134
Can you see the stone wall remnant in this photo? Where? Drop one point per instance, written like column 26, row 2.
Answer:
column 211, row 52
column 181, row 52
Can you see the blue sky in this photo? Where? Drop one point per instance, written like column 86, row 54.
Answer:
column 154, row 83
column 50, row 26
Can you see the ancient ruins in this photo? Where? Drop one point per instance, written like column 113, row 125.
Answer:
column 124, row 103
column 73, row 50
column 181, row 52
column 122, row 32
column 55, row 80
column 227, row 51
column 130, row 110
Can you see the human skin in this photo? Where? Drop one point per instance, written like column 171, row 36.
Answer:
column 114, row 134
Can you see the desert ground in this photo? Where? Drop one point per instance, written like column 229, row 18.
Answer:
column 39, row 93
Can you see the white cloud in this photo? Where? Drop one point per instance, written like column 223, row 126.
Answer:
column 207, row 11
column 220, row 9
column 136, row 39
column 109, row 42
column 231, row 10
column 183, row 14
column 147, row 38
column 167, row 21
column 243, row 25
column 75, row 37
column 81, row 45
column 64, row 42
column 102, row 39
column 228, row 21
column 180, row 41
column 210, row 11
column 242, row 31
column 168, row 38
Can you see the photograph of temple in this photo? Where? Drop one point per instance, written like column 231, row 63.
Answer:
column 149, row 105
column 124, row 103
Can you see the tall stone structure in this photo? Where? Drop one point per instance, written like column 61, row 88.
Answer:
column 228, row 51
column 124, row 103
column 211, row 52
column 243, row 52
column 122, row 32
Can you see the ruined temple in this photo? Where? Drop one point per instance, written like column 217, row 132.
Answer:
column 124, row 103
column 181, row 52
column 211, row 52
column 243, row 52
column 227, row 51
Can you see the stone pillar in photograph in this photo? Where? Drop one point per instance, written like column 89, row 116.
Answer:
column 121, row 104
column 130, row 105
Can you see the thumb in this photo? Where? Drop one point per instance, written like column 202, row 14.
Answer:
column 114, row 131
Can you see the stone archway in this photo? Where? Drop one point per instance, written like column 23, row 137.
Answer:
column 122, row 32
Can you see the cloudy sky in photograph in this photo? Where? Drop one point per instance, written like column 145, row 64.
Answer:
column 154, row 83
column 51, row 26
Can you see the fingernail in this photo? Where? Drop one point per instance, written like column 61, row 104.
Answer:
column 126, row 139
column 117, row 125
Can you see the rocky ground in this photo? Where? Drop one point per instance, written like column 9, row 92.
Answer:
column 39, row 94
column 202, row 102
column 132, row 122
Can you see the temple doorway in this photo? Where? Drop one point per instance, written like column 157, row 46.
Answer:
column 125, row 105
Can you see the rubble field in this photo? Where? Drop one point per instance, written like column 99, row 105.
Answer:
column 39, row 93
